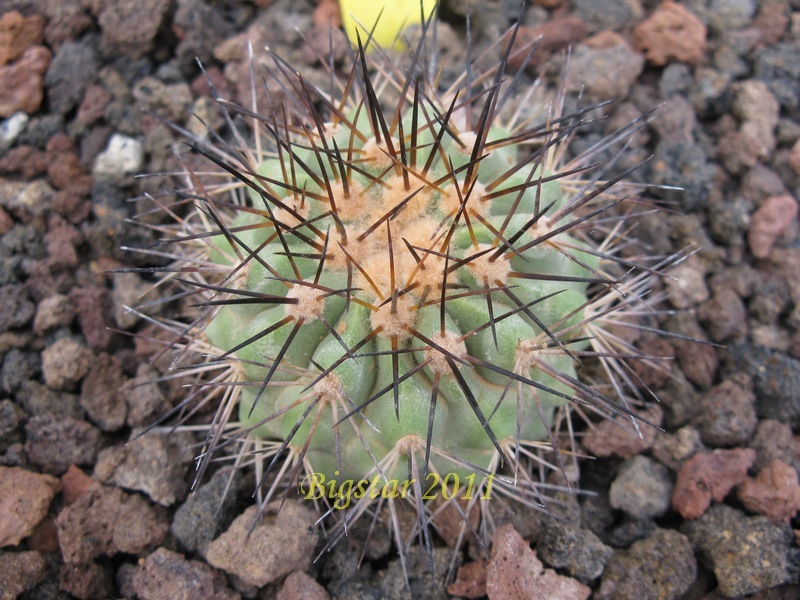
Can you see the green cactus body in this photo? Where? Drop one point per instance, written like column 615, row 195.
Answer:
column 397, row 291
column 439, row 220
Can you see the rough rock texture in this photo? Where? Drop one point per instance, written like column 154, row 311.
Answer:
column 53, row 444
column 144, row 398
column 199, row 518
column 769, row 223
column 709, row 476
column 106, row 520
column 77, row 74
column 73, row 68
column 470, row 580
column 774, row 441
column 129, row 26
column 86, row 580
column 100, row 393
column 618, row 438
column 24, row 501
column 22, row 82
column 671, row 33
column 747, row 554
column 167, row 575
column 277, row 545
column 18, row 32
column 64, row 363
column 774, row 493
column 776, row 380
column 299, row 586
column 17, row 309
column 605, row 65
column 642, row 488
column 19, row 572
column 514, row 571
column 728, row 416
column 673, row 450
column 53, row 312
column 579, row 552
column 155, row 464
column 661, row 566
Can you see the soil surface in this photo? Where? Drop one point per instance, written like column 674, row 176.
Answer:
column 704, row 508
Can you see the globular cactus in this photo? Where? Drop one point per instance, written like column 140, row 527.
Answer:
column 391, row 291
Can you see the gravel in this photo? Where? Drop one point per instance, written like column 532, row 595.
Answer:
column 76, row 385
column 642, row 488
column 747, row 554
column 660, row 566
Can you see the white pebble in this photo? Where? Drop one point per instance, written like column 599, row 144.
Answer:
column 123, row 155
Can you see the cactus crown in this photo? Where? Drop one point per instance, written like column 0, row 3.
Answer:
column 399, row 289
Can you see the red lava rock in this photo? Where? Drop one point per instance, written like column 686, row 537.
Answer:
column 24, row 501
column 54, row 443
column 71, row 206
column 93, row 106
column 772, row 20
column 167, row 575
column 6, row 222
column 299, row 586
column 514, row 571
column 774, row 492
column 66, row 20
column 327, row 13
column 449, row 520
column 276, row 546
column 94, row 314
column 794, row 157
column 22, row 82
column 19, row 572
column 65, row 171
column 17, row 34
column 88, row 580
column 105, row 520
column 618, row 438
column 769, row 223
column 201, row 88
column 26, row 161
column 470, row 580
column 706, row 477
column 555, row 35
column 44, row 538
column 61, row 240
column 671, row 33
column 74, row 484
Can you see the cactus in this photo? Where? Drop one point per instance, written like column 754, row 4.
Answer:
column 389, row 290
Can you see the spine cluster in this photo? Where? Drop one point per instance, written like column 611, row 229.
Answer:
column 384, row 291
